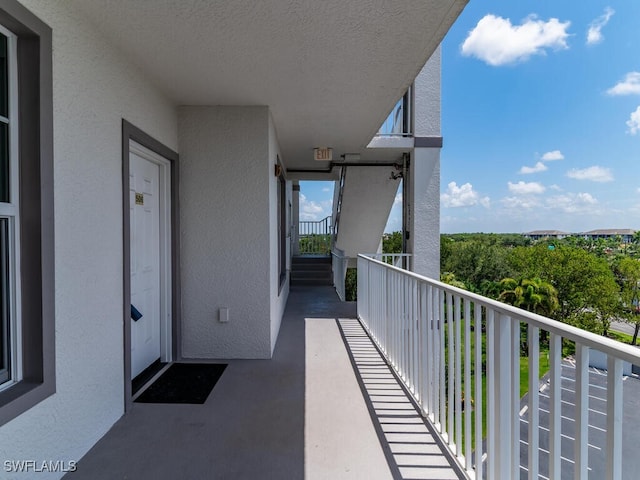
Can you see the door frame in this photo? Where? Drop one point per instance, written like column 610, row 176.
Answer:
column 169, row 250
column 164, row 243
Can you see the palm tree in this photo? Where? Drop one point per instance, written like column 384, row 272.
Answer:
column 540, row 297
column 450, row 279
column 534, row 295
column 511, row 292
column 490, row 289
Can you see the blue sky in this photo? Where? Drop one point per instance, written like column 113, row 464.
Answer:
column 540, row 118
column 316, row 200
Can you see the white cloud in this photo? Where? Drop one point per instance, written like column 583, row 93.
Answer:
column 538, row 167
column 311, row 210
column 586, row 198
column 398, row 199
column 497, row 42
column 634, row 122
column 594, row 174
column 524, row 188
column 521, row 203
column 462, row 196
column 573, row 203
column 555, row 187
column 629, row 86
column 562, row 203
column 594, row 33
column 552, row 155
column 326, row 189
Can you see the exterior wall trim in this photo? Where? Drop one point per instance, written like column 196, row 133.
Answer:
column 37, row 228
column 427, row 142
column 131, row 132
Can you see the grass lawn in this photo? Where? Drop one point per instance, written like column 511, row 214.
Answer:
column 524, row 370
column 621, row 337
column 568, row 349
column 524, row 379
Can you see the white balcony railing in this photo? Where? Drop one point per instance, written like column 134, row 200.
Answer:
column 339, row 265
column 400, row 260
column 314, row 236
column 398, row 121
column 428, row 331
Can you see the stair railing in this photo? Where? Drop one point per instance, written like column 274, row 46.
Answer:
column 339, row 264
column 338, row 208
column 314, row 237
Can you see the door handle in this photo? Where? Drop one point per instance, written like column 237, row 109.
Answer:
column 135, row 314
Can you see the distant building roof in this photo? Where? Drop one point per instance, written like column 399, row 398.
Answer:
column 547, row 232
column 611, row 231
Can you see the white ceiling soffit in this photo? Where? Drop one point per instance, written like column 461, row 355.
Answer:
column 330, row 70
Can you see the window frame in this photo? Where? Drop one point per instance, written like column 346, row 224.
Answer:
column 11, row 212
column 33, row 255
column 282, row 224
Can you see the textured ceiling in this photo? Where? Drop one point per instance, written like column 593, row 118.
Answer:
column 330, row 70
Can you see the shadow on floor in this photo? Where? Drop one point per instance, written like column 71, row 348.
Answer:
column 409, row 444
column 250, row 427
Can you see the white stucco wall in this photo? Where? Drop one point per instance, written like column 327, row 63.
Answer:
column 426, row 108
column 424, row 186
column 424, row 220
column 226, row 175
column 93, row 88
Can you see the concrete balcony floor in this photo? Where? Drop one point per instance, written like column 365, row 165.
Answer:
column 324, row 407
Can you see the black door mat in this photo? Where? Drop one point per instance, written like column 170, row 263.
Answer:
column 183, row 383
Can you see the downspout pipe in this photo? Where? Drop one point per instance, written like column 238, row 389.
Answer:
column 405, row 206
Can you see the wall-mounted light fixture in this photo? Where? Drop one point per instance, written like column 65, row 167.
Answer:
column 394, row 175
column 278, row 170
column 350, row 157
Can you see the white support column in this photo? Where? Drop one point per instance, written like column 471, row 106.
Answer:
column 423, row 200
column 295, row 213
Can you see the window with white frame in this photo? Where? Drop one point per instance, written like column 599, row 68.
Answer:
column 9, row 212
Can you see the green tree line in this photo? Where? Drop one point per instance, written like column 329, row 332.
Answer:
column 584, row 283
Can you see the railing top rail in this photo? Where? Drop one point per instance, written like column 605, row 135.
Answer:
column 373, row 255
column 391, row 134
column 325, row 219
column 598, row 342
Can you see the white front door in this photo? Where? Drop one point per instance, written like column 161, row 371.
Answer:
column 144, row 197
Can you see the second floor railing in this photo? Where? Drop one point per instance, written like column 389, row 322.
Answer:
column 314, row 237
column 398, row 122
column 337, row 210
column 473, row 366
column 400, row 260
column 339, row 264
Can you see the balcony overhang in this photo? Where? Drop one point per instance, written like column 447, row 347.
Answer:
column 330, row 71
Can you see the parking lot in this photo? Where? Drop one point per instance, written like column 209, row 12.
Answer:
column 597, row 426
